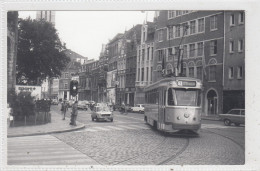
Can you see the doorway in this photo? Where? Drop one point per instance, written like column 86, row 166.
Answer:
column 212, row 99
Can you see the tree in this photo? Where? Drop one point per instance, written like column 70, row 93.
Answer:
column 40, row 52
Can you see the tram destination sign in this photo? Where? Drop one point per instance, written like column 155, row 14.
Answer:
column 187, row 83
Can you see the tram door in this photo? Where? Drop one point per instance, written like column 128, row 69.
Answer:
column 161, row 116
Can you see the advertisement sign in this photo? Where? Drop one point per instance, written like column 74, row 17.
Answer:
column 35, row 90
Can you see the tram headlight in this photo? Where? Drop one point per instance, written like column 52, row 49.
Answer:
column 186, row 115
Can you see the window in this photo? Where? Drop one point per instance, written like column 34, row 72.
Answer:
column 234, row 111
column 201, row 25
column 143, row 54
column 171, row 96
column 191, row 71
column 170, row 54
column 170, row 32
column 240, row 45
column 212, row 73
column 66, row 75
column 192, row 50
column 176, row 54
column 239, row 72
column 200, row 49
column 193, row 27
column 185, row 51
column 185, row 29
column 231, row 47
column 178, row 13
column 184, row 71
column 152, row 54
column 138, row 74
column 231, row 73
column 213, row 47
column 160, row 55
column 139, row 56
column 151, row 73
column 171, row 14
column 213, row 22
column 241, row 17
column 147, row 73
column 66, row 86
column 142, row 76
column 232, row 20
column 148, row 53
column 178, row 31
column 160, row 35
column 199, row 72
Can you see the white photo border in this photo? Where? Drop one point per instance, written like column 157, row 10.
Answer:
column 252, row 60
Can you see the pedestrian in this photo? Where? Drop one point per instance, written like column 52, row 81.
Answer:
column 74, row 114
column 64, row 108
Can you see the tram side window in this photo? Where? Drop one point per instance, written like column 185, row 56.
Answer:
column 152, row 97
column 170, row 97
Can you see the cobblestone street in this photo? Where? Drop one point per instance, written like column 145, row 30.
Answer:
column 129, row 141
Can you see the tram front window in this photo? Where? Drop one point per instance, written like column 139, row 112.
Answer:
column 183, row 97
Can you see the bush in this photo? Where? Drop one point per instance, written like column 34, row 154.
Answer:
column 22, row 104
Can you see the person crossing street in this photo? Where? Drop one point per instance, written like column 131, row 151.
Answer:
column 64, row 108
column 74, row 114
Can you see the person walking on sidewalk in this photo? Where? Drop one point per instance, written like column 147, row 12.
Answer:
column 74, row 114
column 64, row 108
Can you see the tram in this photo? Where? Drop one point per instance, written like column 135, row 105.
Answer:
column 173, row 104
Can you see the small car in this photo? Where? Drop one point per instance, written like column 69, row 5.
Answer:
column 236, row 116
column 102, row 113
column 54, row 102
column 138, row 108
column 82, row 105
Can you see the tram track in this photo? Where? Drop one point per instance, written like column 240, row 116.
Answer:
column 143, row 154
column 242, row 147
column 177, row 154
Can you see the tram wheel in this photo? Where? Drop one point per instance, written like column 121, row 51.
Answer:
column 227, row 122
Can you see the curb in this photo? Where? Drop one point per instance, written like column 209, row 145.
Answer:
column 50, row 132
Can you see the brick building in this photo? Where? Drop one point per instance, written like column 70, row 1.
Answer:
column 234, row 61
column 199, row 36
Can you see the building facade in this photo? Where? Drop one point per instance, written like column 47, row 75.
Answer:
column 197, row 38
column 46, row 15
column 234, row 61
column 144, row 63
column 115, row 61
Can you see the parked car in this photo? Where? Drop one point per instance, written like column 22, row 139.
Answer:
column 102, row 113
column 54, row 102
column 92, row 102
column 82, row 105
column 138, row 108
column 236, row 116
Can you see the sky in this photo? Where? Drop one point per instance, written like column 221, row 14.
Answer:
column 84, row 32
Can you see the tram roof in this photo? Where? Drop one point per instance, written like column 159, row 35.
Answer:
column 164, row 81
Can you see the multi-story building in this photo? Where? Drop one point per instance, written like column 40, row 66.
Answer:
column 113, row 85
column 198, row 38
column 46, row 15
column 53, row 88
column 234, row 61
column 72, row 68
column 85, row 91
column 144, row 63
column 133, row 37
column 102, row 81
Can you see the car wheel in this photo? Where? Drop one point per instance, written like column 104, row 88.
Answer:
column 140, row 111
column 237, row 124
column 227, row 122
column 111, row 120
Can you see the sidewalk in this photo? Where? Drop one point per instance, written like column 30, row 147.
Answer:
column 56, row 125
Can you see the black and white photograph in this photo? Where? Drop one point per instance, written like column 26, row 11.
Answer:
column 159, row 87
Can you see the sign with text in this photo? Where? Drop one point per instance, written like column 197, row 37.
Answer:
column 35, row 90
